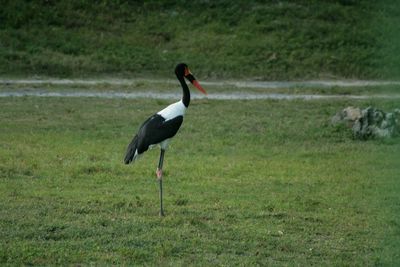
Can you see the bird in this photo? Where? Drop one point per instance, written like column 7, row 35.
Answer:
column 161, row 127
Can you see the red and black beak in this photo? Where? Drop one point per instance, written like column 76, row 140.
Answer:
column 192, row 79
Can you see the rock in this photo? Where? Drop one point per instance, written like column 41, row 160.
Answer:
column 348, row 116
column 369, row 122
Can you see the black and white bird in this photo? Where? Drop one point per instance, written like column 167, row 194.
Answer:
column 162, row 126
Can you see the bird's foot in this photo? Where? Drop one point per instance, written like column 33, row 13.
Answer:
column 159, row 173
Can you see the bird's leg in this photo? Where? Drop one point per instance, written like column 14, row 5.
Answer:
column 159, row 177
column 159, row 174
column 159, row 171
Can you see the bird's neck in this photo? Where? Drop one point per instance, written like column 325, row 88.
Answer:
column 186, row 93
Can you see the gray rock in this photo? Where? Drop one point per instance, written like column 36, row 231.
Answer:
column 369, row 122
column 348, row 116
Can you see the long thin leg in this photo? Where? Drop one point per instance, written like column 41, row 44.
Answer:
column 159, row 177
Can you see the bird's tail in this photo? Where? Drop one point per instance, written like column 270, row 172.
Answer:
column 131, row 151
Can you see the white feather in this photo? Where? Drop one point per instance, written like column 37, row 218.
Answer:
column 164, row 144
column 136, row 156
column 173, row 111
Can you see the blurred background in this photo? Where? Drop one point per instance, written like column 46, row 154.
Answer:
column 258, row 40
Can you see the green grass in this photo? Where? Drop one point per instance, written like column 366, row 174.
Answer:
column 246, row 183
column 276, row 40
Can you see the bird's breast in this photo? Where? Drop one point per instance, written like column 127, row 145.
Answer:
column 173, row 111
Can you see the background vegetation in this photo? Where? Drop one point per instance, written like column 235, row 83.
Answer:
column 270, row 40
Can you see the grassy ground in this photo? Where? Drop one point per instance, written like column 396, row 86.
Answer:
column 247, row 182
column 277, row 40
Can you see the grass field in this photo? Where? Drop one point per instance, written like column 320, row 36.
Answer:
column 247, row 183
column 267, row 40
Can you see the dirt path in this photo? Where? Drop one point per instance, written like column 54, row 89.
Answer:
column 156, row 95
column 27, row 83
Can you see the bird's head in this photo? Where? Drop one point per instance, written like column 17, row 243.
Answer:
column 182, row 70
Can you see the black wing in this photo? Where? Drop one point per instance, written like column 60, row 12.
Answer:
column 131, row 150
column 156, row 129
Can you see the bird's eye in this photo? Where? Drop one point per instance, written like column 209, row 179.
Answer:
column 187, row 71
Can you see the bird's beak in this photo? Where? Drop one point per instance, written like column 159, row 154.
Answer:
column 192, row 79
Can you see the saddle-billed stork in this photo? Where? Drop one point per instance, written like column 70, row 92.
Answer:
column 162, row 126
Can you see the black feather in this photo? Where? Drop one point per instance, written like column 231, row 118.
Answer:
column 153, row 131
column 130, row 151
